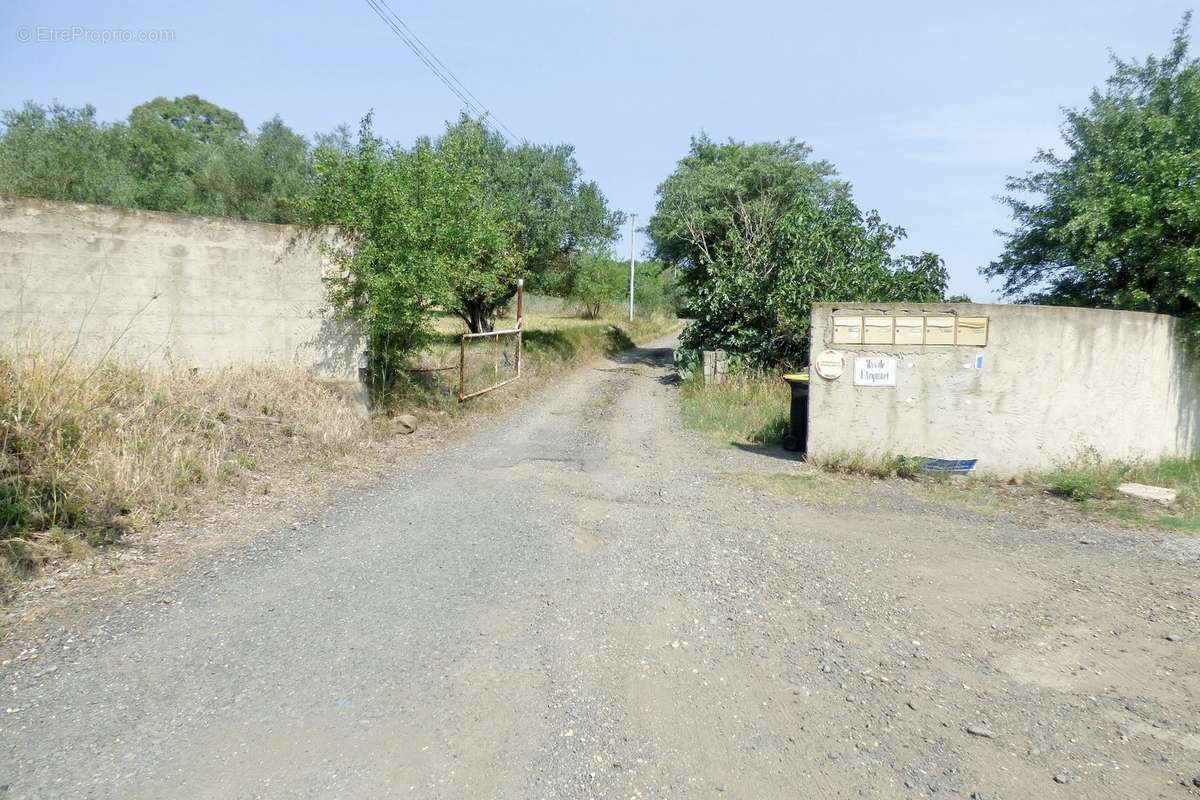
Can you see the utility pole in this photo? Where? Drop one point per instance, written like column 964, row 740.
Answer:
column 632, row 262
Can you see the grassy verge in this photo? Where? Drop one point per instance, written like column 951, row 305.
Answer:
column 88, row 454
column 743, row 409
column 858, row 463
column 1093, row 485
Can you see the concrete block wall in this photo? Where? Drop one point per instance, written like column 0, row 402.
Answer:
column 1052, row 384
column 168, row 289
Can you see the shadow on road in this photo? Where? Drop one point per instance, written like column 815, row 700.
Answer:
column 651, row 356
column 771, row 450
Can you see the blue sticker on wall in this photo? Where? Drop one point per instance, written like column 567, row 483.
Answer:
column 978, row 362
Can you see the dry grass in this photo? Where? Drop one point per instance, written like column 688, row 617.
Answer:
column 88, row 453
column 855, row 462
column 978, row 494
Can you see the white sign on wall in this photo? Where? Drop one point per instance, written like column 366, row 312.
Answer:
column 830, row 365
column 874, row 371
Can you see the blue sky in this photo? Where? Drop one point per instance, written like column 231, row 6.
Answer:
column 924, row 107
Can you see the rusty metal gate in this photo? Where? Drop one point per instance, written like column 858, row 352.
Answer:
column 504, row 356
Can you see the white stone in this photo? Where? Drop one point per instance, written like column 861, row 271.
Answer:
column 1156, row 494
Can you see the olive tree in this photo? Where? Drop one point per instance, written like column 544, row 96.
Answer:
column 549, row 210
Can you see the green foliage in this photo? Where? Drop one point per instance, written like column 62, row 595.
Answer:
column 60, row 153
column 551, row 214
column 194, row 117
column 186, row 155
column 758, row 233
column 1093, row 483
column 1116, row 223
column 420, row 233
column 452, row 222
column 655, row 290
column 1078, row 484
column 1090, row 478
column 599, row 284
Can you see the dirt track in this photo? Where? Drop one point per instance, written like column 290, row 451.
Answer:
column 580, row 602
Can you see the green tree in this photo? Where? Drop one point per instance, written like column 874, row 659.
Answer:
column 598, row 282
column 550, row 211
column 1116, row 222
column 200, row 119
column 194, row 156
column 285, row 163
column 758, row 233
column 417, row 228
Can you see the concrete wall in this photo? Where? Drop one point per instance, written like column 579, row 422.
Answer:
column 1052, row 384
column 167, row 289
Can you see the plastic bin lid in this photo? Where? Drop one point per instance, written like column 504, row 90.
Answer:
column 796, row 377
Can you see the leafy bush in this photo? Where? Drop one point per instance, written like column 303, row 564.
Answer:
column 1078, row 485
column 599, row 284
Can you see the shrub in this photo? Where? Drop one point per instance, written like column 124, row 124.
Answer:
column 1087, row 478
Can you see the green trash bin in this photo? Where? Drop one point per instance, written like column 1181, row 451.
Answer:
column 796, row 439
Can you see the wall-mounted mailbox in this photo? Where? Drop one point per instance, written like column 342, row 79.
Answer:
column 847, row 330
column 910, row 331
column 939, row 330
column 916, row 330
column 877, row 330
column 972, row 331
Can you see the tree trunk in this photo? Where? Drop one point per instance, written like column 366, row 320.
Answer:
column 477, row 315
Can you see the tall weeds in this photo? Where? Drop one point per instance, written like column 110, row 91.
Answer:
column 86, row 453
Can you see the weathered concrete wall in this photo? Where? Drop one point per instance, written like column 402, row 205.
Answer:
column 167, row 289
column 1052, row 384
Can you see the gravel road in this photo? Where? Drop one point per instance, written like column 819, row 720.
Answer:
column 579, row 602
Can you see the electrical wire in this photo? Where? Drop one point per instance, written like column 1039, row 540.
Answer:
column 435, row 65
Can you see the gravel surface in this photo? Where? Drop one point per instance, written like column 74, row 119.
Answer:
column 578, row 601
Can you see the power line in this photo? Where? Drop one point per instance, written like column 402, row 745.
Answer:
column 374, row 4
column 435, row 65
column 452, row 76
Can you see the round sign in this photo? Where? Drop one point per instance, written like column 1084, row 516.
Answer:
column 830, row 365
